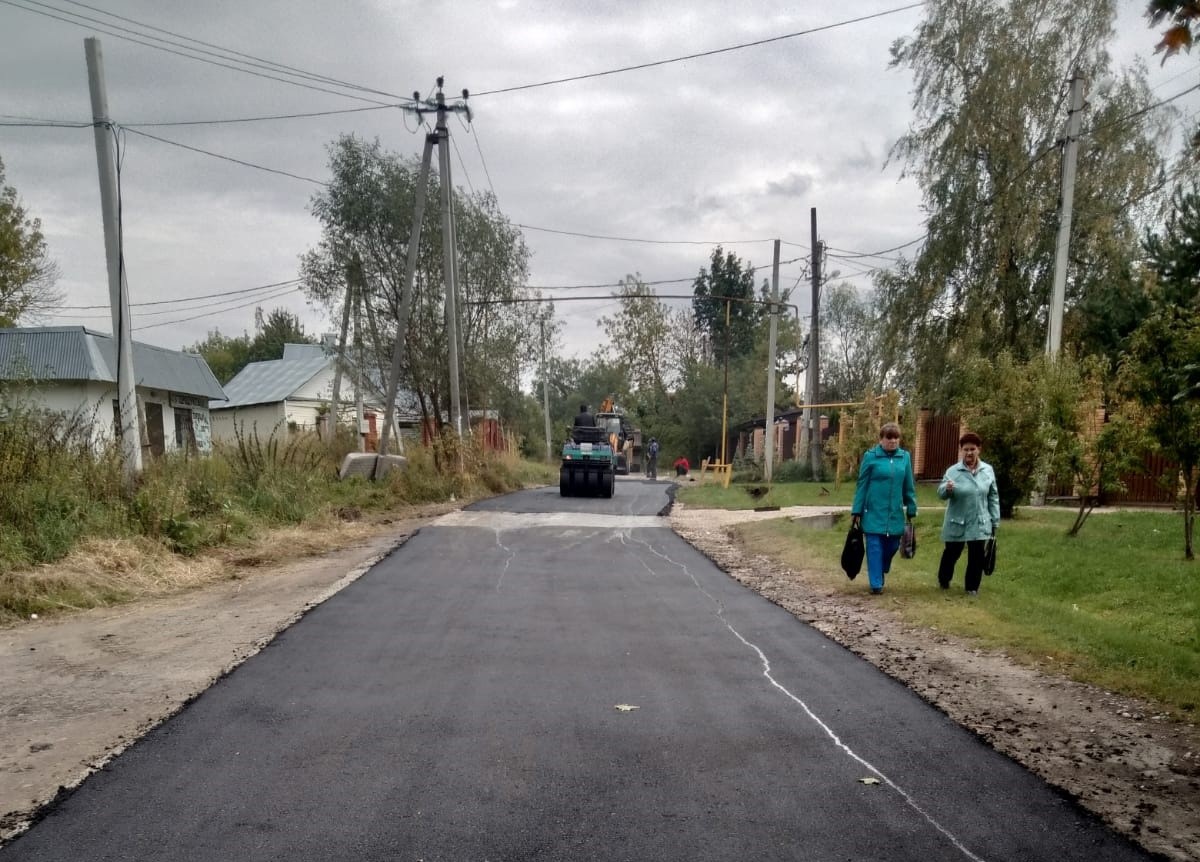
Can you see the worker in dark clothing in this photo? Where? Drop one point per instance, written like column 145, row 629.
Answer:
column 584, row 419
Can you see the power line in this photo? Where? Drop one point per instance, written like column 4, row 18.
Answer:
column 267, row 117
column 282, row 293
column 688, row 280
column 700, row 54
column 1122, row 120
column 271, row 63
column 846, row 253
column 224, row 158
column 110, row 32
column 474, row 134
column 642, row 240
column 290, row 281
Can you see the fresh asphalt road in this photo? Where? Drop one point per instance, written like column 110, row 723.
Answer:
column 459, row 702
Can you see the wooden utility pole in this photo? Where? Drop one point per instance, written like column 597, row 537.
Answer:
column 769, row 415
column 118, row 289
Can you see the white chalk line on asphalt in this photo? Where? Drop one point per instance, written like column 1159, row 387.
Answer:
column 837, row 741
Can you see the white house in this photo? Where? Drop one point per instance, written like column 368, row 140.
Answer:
column 71, row 369
column 294, row 393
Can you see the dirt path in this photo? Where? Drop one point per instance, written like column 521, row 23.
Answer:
column 79, row 689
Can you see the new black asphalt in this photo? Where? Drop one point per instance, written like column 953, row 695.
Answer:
column 550, row 679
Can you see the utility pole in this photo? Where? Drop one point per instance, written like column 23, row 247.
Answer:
column 769, row 416
column 335, row 396
column 441, row 138
column 118, row 289
column 1058, row 295
column 546, row 394
column 812, row 395
column 443, row 134
column 359, row 413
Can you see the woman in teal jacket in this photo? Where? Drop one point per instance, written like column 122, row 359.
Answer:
column 885, row 496
column 972, row 514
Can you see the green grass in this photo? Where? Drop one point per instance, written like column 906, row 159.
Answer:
column 1117, row 606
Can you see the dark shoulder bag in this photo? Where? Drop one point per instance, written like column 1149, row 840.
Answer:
column 853, row 551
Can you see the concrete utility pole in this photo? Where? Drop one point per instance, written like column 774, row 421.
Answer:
column 769, row 416
column 1058, row 295
column 335, row 396
column 812, row 394
column 546, row 395
column 443, row 134
column 406, row 290
column 118, row 290
column 359, row 411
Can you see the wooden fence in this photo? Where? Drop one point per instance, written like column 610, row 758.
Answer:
column 936, row 448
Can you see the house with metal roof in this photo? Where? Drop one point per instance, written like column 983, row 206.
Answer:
column 294, row 393
column 72, row 370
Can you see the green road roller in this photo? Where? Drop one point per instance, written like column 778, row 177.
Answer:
column 589, row 464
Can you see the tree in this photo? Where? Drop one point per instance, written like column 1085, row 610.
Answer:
column 990, row 105
column 27, row 274
column 1153, row 374
column 852, row 358
column 273, row 331
column 727, row 277
column 1183, row 14
column 366, row 215
column 225, row 355
column 1093, row 441
column 1007, row 402
column 638, row 337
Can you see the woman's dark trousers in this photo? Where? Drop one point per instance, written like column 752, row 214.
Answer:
column 974, row 563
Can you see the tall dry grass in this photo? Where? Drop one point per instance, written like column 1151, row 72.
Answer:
column 73, row 536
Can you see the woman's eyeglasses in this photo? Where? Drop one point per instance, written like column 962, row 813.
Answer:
column 891, row 436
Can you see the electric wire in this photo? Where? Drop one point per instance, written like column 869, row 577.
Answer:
column 846, row 253
column 700, row 54
column 479, row 149
column 224, row 158
column 283, row 293
column 244, row 290
column 17, row 4
column 280, row 66
column 267, row 117
column 1122, row 120
column 643, row 240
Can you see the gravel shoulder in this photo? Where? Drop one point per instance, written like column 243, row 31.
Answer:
column 79, row 689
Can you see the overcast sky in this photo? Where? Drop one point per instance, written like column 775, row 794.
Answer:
column 734, row 146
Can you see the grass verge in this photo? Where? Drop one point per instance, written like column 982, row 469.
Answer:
column 1117, row 606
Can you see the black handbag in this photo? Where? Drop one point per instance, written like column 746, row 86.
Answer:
column 989, row 556
column 853, row 551
column 908, row 541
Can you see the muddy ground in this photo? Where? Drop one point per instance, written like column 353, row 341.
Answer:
column 80, row 688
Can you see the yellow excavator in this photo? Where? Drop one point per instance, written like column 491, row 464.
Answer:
column 625, row 440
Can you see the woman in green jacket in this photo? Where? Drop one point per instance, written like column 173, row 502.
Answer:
column 972, row 514
column 885, row 496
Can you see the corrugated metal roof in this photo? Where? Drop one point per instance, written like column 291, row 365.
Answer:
column 271, row 381
column 278, row 379
column 303, row 351
column 78, row 353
